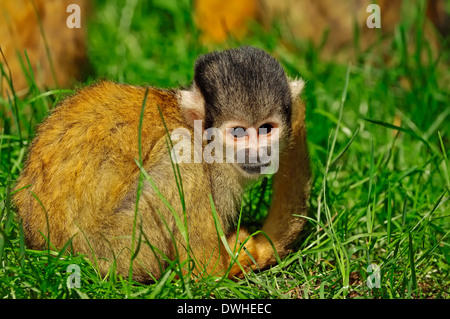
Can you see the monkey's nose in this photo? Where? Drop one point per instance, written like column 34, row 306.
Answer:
column 254, row 156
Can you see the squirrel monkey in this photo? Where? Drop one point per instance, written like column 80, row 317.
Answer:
column 80, row 181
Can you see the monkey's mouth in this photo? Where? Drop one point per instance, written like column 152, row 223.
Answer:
column 255, row 168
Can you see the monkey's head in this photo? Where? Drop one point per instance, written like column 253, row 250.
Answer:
column 244, row 96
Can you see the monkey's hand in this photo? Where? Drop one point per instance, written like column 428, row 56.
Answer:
column 247, row 250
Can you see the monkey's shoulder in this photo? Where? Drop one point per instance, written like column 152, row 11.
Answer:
column 100, row 124
column 108, row 108
column 110, row 100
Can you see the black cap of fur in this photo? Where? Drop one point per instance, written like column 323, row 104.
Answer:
column 244, row 83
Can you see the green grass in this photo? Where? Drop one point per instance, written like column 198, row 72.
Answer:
column 380, row 190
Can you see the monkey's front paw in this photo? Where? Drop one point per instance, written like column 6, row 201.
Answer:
column 254, row 253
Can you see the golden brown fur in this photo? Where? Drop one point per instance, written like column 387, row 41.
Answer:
column 82, row 168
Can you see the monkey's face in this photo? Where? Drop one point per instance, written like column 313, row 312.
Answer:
column 247, row 96
column 253, row 148
column 244, row 96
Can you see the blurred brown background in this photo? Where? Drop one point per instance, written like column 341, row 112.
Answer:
column 57, row 54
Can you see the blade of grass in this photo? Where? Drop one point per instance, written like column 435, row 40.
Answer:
column 222, row 236
column 412, row 266
column 342, row 152
column 2, row 246
column 445, row 164
column 139, row 191
column 179, row 223
column 12, row 104
column 369, row 214
column 389, row 216
column 399, row 128
column 339, row 250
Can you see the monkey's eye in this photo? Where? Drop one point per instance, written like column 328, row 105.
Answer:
column 238, row 132
column 265, row 128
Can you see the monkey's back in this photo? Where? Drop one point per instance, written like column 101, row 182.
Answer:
column 81, row 164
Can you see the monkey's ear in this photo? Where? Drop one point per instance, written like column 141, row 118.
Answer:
column 296, row 87
column 192, row 105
